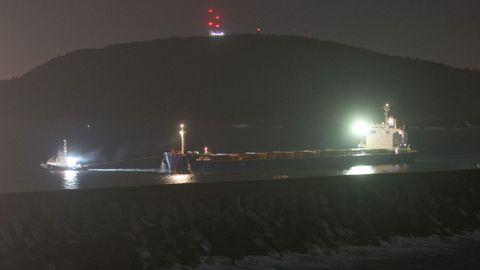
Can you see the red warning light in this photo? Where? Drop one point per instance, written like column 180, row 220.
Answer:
column 214, row 22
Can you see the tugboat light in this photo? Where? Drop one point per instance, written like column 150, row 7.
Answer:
column 72, row 161
column 361, row 127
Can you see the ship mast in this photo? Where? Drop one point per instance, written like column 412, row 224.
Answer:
column 63, row 149
column 386, row 109
column 182, row 137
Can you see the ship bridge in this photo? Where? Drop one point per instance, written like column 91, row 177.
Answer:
column 386, row 135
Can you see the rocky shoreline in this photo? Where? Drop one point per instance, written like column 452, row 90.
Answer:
column 155, row 227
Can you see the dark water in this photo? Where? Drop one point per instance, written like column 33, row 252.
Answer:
column 25, row 144
column 38, row 179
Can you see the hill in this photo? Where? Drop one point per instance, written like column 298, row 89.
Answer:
column 241, row 79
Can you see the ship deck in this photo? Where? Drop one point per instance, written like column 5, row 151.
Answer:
column 296, row 154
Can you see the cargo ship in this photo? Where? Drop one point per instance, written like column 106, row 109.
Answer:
column 382, row 143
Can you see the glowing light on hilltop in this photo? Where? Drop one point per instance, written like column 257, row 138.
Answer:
column 214, row 24
column 217, row 34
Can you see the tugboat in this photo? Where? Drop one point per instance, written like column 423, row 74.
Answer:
column 62, row 161
column 382, row 143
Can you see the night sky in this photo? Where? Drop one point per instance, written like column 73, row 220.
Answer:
column 34, row 31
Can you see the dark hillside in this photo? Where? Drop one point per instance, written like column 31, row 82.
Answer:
column 242, row 78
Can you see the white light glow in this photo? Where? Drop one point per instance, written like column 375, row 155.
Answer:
column 70, row 179
column 72, row 161
column 390, row 121
column 180, row 178
column 361, row 127
column 360, row 170
column 217, row 34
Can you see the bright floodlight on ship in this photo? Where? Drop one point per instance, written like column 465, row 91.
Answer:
column 361, row 127
column 72, row 161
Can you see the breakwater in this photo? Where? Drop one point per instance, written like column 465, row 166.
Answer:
column 153, row 227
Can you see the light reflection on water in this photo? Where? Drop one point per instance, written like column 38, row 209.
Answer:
column 359, row 170
column 179, row 178
column 69, row 178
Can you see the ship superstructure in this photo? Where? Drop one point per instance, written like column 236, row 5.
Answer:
column 386, row 135
column 383, row 143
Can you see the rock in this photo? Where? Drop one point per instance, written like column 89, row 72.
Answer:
column 29, row 242
column 66, row 265
column 6, row 236
column 38, row 235
column 312, row 249
column 144, row 253
column 195, row 236
column 146, row 223
column 206, row 246
column 18, row 228
column 256, row 219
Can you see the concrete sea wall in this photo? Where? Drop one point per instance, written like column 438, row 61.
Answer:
column 154, row 227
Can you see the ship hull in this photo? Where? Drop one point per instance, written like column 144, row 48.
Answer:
column 139, row 163
column 181, row 164
column 62, row 168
